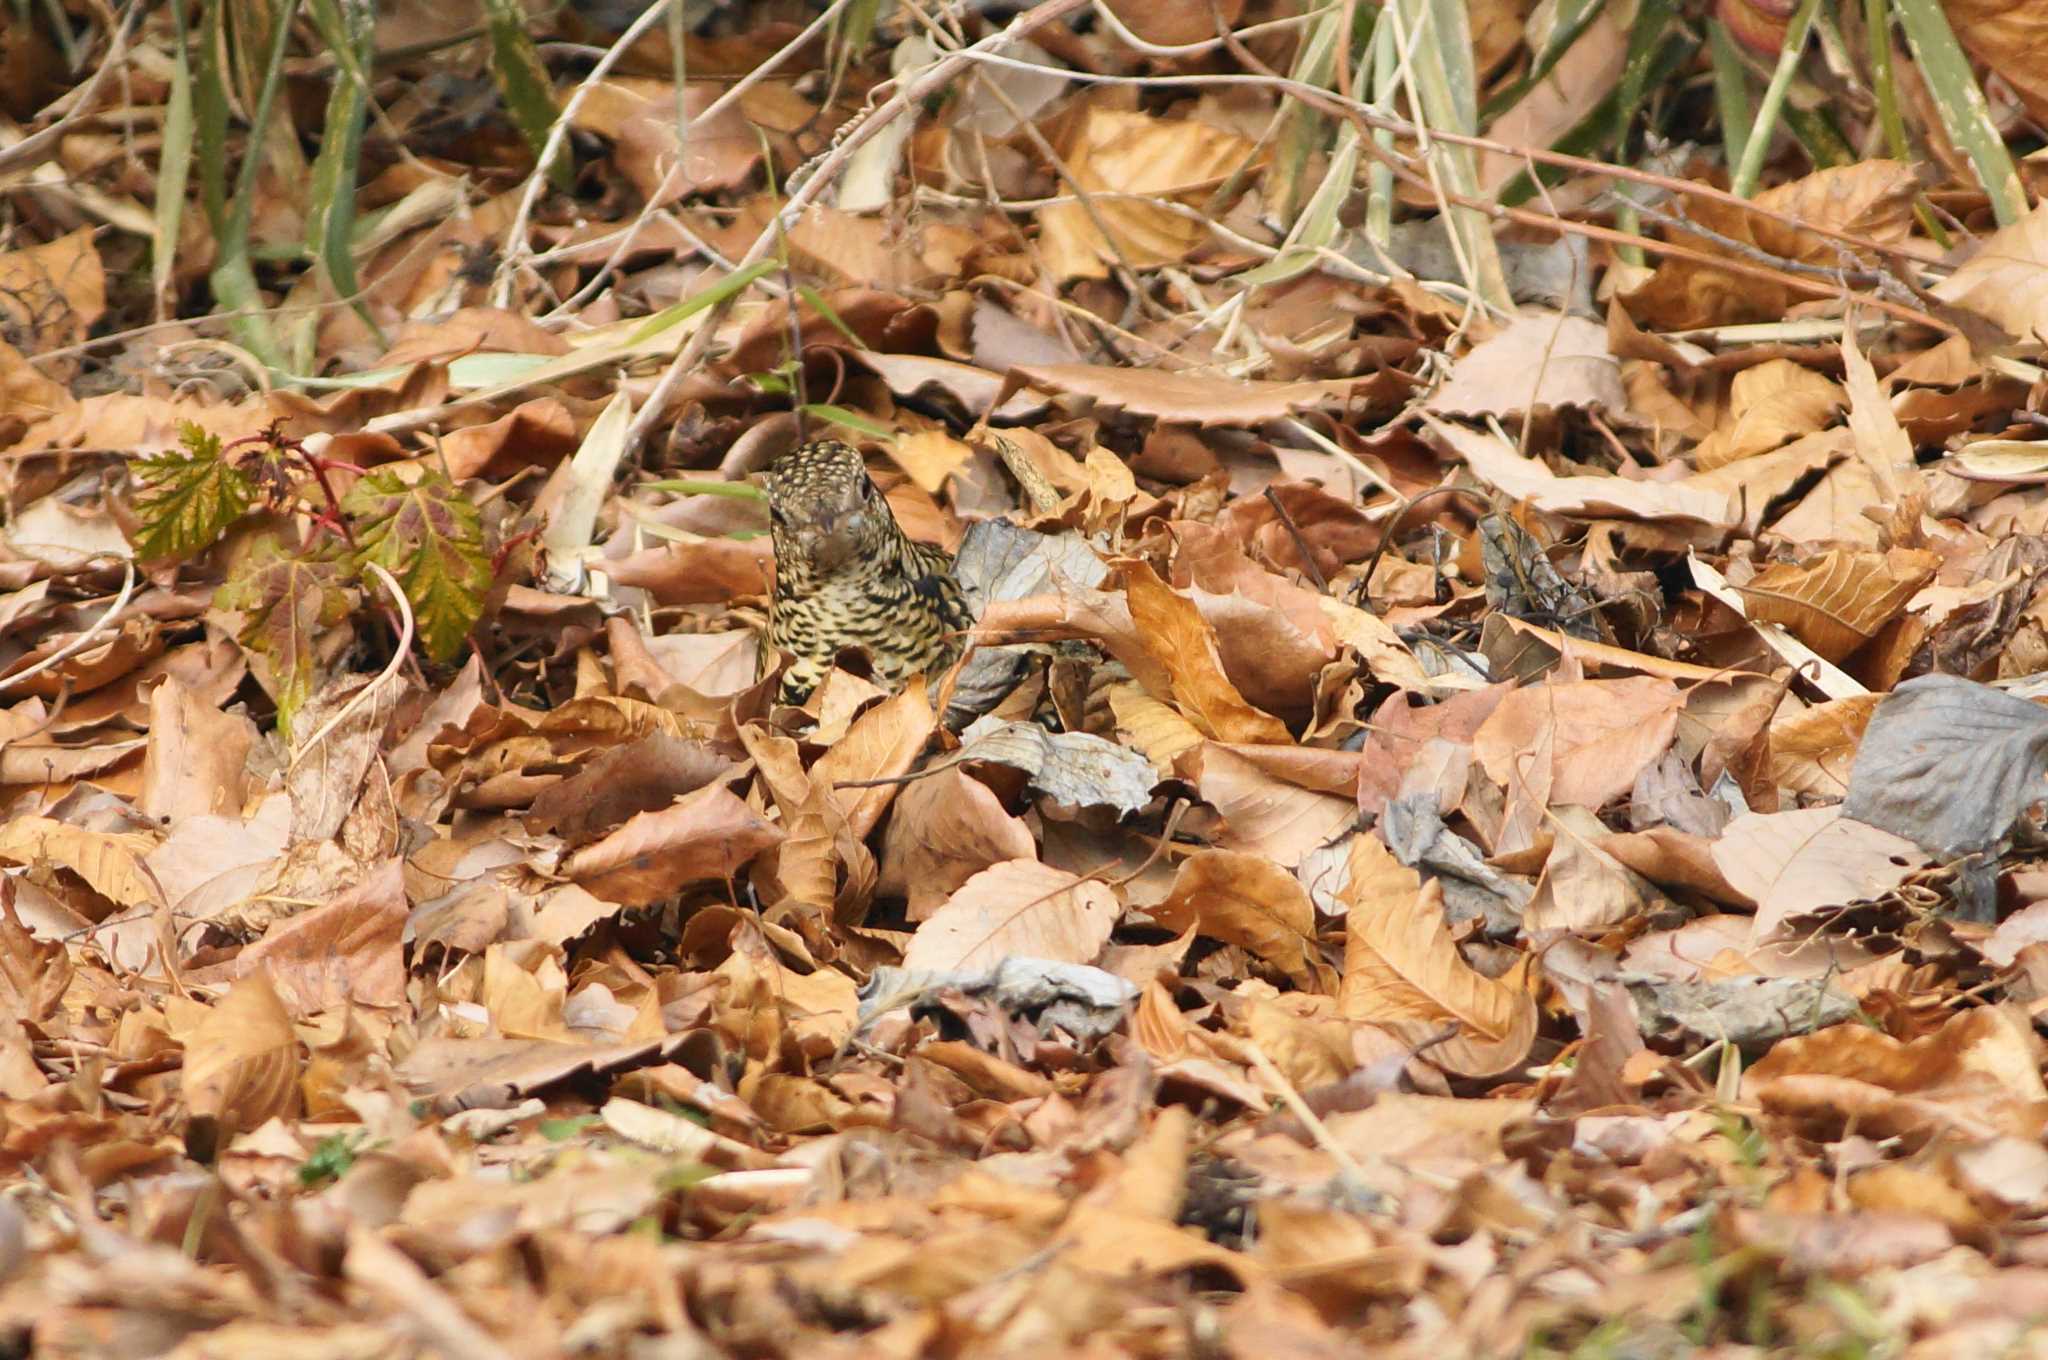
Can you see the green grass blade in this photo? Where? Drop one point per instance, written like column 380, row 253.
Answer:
column 174, row 167
column 523, row 83
column 710, row 297
column 234, row 276
column 349, row 28
column 1731, row 91
column 832, row 318
column 1964, row 115
column 1751, row 167
column 852, row 420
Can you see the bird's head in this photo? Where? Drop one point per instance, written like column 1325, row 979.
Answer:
column 824, row 512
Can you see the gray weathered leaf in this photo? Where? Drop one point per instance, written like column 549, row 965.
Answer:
column 1949, row 763
column 1073, row 769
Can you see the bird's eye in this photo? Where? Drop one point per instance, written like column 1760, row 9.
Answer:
column 868, row 490
column 775, row 514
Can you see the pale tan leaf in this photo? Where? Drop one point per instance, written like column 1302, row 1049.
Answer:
column 1794, row 864
column 1019, row 908
column 1497, row 463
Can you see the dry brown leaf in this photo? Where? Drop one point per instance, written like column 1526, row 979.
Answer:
column 1188, row 397
column 196, row 755
column 706, row 834
column 349, row 950
column 946, row 828
column 1599, row 735
column 1403, row 973
column 2012, row 40
column 1250, row 901
column 1838, row 601
column 1170, row 23
column 640, row 116
column 1977, row 1076
column 55, row 291
column 242, row 1060
column 1870, row 198
column 111, row 863
column 1126, row 158
column 1769, row 404
column 1017, row 909
column 2006, row 281
column 1182, row 644
column 1583, row 888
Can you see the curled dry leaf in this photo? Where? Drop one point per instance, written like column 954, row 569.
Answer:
column 1977, row 1076
column 1403, row 973
column 1769, row 404
column 1198, row 400
column 1838, row 601
column 1250, row 901
column 945, row 829
column 1071, row 769
column 1497, row 463
column 1180, row 642
column 242, row 1060
column 702, row 835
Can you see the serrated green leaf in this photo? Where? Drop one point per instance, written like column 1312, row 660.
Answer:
column 286, row 599
column 432, row 540
column 189, row 498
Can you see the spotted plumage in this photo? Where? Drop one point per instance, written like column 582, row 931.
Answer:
column 845, row 575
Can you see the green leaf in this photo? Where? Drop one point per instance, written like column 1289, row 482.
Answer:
column 523, row 83
column 708, row 298
column 852, row 420
column 286, row 600
column 189, row 497
column 432, row 540
column 561, row 1130
column 331, row 1159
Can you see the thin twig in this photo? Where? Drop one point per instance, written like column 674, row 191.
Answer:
column 910, row 95
column 516, row 248
column 398, row 656
column 38, row 147
column 83, row 640
column 1308, row 559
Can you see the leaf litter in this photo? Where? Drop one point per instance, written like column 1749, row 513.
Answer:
column 1493, row 807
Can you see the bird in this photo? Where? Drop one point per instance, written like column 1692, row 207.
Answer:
column 846, row 574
